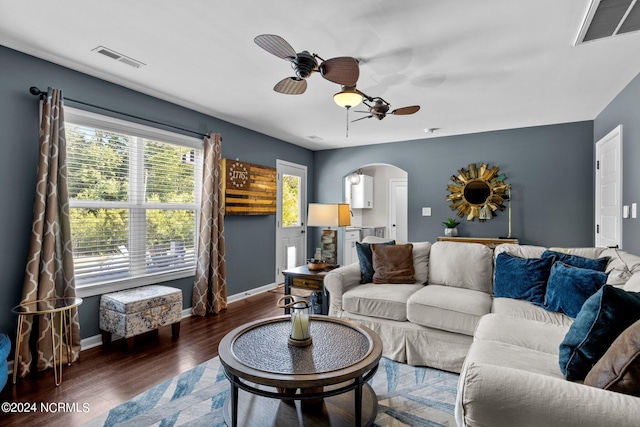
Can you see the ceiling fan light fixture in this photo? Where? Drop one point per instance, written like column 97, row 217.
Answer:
column 348, row 97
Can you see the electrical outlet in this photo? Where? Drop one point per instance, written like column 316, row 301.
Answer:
column 426, row 211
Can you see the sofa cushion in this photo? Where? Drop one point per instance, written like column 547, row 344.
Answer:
column 421, row 251
column 598, row 264
column 633, row 284
column 521, row 278
column 569, row 287
column 492, row 395
column 393, row 263
column 526, row 310
column 461, row 265
column 515, row 357
column 522, row 251
column 619, row 368
column 446, row 308
column 365, row 259
column 622, row 266
column 604, row 316
column 385, row 301
column 526, row 333
column 584, row 252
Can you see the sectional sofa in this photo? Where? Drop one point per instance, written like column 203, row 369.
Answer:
column 505, row 341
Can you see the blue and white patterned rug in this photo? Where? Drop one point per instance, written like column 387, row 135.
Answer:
column 407, row 396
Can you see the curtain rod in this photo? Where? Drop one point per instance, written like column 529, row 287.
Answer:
column 37, row 92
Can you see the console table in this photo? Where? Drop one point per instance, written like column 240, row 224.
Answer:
column 302, row 277
column 492, row 242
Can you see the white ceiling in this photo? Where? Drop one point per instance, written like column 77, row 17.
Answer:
column 471, row 65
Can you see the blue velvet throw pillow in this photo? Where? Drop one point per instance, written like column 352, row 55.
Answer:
column 569, row 287
column 598, row 264
column 365, row 259
column 604, row 316
column 521, row 278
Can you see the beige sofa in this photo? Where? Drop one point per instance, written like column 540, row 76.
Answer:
column 421, row 325
column 506, row 349
column 511, row 375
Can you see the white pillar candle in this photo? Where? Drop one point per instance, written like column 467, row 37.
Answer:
column 300, row 326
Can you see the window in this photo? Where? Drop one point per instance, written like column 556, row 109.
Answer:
column 291, row 204
column 134, row 202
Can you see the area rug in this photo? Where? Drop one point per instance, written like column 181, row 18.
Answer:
column 407, row 396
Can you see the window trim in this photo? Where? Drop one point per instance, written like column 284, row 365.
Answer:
column 87, row 118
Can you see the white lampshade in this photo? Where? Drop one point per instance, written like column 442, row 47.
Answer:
column 329, row 214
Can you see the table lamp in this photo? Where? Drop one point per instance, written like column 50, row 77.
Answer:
column 329, row 215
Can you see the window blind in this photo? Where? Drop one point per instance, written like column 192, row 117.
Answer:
column 134, row 199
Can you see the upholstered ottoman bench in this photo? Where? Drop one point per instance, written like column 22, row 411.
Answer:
column 135, row 311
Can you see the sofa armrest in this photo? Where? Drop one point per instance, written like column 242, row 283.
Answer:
column 338, row 281
column 495, row 396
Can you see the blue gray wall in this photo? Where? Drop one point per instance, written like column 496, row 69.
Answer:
column 250, row 239
column 625, row 110
column 549, row 168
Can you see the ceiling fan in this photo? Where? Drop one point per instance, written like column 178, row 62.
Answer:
column 379, row 108
column 343, row 70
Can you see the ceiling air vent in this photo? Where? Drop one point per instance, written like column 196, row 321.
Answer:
column 607, row 18
column 118, row 57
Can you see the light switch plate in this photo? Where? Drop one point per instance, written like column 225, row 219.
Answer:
column 634, row 210
column 426, row 211
column 625, row 211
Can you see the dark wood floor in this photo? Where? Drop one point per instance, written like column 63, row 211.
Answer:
column 104, row 378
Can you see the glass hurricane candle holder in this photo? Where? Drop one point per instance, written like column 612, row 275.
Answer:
column 299, row 334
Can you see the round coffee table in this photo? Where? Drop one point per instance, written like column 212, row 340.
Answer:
column 325, row 383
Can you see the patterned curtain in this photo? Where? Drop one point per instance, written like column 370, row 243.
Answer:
column 210, row 287
column 49, row 271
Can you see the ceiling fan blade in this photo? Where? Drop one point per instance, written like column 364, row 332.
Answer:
column 406, row 110
column 361, row 111
column 343, row 70
column 361, row 118
column 291, row 86
column 275, row 45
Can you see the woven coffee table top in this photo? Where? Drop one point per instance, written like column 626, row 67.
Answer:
column 335, row 346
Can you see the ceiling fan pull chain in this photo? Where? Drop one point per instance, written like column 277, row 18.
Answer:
column 347, row 122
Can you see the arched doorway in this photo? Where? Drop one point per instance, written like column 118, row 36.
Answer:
column 386, row 216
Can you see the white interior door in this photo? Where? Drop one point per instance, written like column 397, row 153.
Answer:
column 608, row 209
column 398, row 201
column 291, row 217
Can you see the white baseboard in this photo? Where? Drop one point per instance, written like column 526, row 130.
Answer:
column 255, row 291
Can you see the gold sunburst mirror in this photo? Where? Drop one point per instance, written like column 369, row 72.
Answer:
column 478, row 192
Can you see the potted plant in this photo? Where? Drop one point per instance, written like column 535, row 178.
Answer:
column 450, row 225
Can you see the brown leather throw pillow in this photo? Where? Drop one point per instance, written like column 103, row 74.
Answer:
column 393, row 263
column 619, row 368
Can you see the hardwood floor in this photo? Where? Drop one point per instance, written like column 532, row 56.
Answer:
column 104, row 378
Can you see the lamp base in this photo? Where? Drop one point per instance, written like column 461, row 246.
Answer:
column 299, row 343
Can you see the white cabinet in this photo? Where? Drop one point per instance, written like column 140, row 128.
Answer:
column 362, row 193
column 350, row 253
